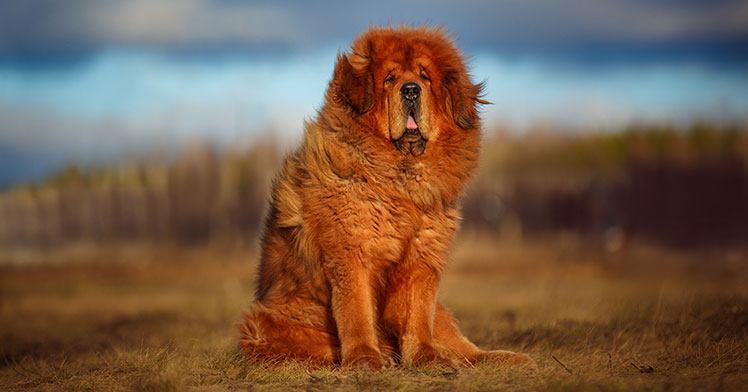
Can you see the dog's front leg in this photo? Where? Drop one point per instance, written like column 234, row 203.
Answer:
column 409, row 312
column 412, row 286
column 353, row 310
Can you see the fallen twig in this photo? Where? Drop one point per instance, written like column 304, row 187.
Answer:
column 562, row 365
column 643, row 369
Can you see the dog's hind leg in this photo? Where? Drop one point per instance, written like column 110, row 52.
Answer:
column 266, row 335
column 451, row 342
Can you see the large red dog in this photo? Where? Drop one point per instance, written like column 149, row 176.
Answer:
column 363, row 213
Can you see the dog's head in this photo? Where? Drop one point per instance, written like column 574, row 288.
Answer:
column 410, row 85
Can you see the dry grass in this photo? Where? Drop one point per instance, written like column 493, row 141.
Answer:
column 161, row 320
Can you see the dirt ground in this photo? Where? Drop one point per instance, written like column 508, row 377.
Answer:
column 161, row 319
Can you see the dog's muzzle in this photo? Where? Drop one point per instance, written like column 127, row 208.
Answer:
column 412, row 141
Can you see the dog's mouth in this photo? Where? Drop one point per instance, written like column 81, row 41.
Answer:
column 411, row 141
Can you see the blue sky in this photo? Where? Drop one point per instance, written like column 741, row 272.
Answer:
column 91, row 81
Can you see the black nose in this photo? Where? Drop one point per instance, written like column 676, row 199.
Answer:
column 410, row 91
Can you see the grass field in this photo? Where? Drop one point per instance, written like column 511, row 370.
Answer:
column 165, row 319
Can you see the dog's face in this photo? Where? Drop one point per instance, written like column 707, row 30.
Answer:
column 408, row 85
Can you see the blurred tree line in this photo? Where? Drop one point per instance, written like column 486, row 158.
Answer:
column 203, row 195
column 680, row 187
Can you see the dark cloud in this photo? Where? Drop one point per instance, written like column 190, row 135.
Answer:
column 635, row 28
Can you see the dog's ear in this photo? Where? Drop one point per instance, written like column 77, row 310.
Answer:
column 353, row 82
column 464, row 98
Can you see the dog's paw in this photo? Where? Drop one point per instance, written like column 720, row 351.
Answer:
column 427, row 355
column 365, row 358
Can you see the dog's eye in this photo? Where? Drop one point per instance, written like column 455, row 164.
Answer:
column 425, row 77
column 390, row 79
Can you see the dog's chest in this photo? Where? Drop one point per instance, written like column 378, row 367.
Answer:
column 389, row 222
column 381, row 218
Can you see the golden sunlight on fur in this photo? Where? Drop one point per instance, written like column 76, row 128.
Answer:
column 364, row 212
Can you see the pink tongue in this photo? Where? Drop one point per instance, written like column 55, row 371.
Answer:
column 411, row 123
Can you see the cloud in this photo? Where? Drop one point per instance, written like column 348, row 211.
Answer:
column 76, row 24
column 45, row 26
column 180, row 22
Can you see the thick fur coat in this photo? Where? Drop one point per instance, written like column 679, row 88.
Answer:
column 363, row 213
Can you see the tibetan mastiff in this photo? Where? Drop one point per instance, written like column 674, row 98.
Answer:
column 363, row 213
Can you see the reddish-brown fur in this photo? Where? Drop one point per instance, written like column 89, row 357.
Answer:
column 358, row 230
